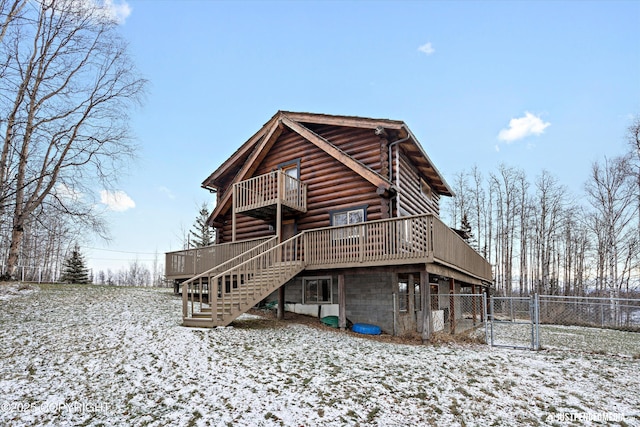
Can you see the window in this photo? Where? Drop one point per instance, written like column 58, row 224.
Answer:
column 403, row 294
column 316, row 290
column 425, row 189
column 347, row 217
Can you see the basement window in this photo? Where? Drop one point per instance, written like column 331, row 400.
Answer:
column 316, row 290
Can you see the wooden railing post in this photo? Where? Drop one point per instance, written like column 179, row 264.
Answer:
column 279, row 207
column 234, row 208
column 185, row 307
column 361, row 232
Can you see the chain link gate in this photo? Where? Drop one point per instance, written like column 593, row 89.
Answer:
column 514, row 322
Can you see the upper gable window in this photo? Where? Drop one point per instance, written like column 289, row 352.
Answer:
column 425, row 190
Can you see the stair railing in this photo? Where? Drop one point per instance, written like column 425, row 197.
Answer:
column 195, row 287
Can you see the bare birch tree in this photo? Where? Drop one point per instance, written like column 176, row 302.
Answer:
column 611, row 194
column 66, row 90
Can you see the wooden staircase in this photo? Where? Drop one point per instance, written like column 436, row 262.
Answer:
column 218, row 296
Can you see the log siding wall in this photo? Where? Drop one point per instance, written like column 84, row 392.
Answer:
column 412, row 202
column 330, row 184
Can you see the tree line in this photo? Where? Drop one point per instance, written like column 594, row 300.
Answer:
column 67, row 85
column 541, row 238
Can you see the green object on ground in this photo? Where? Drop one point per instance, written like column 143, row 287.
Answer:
column 330, row 321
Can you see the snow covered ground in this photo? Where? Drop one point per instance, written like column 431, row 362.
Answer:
column 91, row 355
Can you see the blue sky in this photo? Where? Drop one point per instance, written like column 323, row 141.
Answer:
column 536, row 85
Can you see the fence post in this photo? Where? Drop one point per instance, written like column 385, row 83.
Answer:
column 490, row 318
column 486, row 318
column 536, row 308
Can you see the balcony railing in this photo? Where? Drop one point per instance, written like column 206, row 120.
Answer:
column 265, row 191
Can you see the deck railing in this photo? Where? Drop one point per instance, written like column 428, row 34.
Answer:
column 449, row 248
column 375, row 242
column 189, row 262
column 266, row 190
column 420, row 238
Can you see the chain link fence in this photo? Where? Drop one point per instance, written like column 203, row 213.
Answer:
column 589, row 324
column 514, row 322
column 611, row 313
column 597, row 325
column 461, row 315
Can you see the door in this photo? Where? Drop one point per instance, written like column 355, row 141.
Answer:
column 291, row 185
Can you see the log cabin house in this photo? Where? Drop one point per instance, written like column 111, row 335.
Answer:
column 328, row 215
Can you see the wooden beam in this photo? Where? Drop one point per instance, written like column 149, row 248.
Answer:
column 452, row 306
column 347, row 121
column 342, row 303
column 281, row 302
column 425, row 287
column 473, row 303
column 326, row 146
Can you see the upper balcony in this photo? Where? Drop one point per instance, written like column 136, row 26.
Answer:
column 260, row 196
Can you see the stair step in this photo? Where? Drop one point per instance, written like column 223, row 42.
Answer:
column 201, row 315
column 197, row 322
column 254, row 287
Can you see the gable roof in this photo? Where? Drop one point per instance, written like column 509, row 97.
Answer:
column 246, row 159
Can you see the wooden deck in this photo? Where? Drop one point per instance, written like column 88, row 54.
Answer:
column 405, row 240
column 217, row 295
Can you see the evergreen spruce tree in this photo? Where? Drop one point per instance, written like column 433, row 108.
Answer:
column 465, row 228
column 74, row 269
column 201, row 234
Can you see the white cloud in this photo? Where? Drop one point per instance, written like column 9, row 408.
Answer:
column 115, row 11
column 118, row 201
column 427, row 48
column 522, row 127
column 118, row 11
column 164, row 190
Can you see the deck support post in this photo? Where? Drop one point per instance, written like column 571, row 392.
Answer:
column 425, row 293
column 281, row 303
column 452, row 306
column 473, row 303
column 342, row 303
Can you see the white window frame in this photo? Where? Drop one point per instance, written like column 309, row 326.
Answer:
column 348, row 232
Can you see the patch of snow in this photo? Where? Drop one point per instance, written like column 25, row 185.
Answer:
column 15, row 290
column 94, row 355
